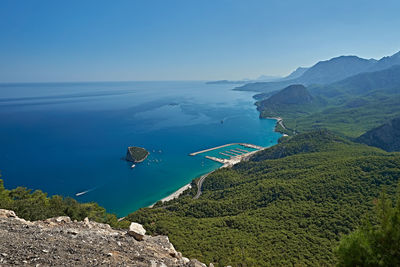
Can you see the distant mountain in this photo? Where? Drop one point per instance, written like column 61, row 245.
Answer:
column 294, row 99
column 295, row 74
column 386, row 62
column 265, row 86
column 324, row 72
column 335, row 69
column 262, row 78
column 268, row 78
column 293, row 94
column 387, row 81
column 226, row 82
column 386, row 136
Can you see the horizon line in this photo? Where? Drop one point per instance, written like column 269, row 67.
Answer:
column 106, row 81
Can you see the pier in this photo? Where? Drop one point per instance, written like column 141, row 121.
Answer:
column 252, row 146
column 224, row 154
column 231, row 153
column 239, row 152
column 231, row 144
column 234, row 155
column 223, row 161
column 211, row 149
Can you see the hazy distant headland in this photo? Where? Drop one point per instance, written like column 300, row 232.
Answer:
column 262, row 78
column 226, row 82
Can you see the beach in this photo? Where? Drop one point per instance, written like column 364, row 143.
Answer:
column 176, row 194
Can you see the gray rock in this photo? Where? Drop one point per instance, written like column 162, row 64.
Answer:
column 50, row 243
column 58, row 220
column 196, row 263
column 137, row 231
column 7, row 214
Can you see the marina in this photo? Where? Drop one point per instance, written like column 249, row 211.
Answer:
column 229, row 154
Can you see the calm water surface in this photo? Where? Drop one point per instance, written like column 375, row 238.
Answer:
column 67, row 138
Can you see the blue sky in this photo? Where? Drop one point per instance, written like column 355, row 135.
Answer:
column 95, row 40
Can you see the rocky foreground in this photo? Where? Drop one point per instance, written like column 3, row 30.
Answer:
column 62, row 242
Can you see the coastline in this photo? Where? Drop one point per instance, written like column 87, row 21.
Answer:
column 174, row 195
column 180, row 191
column 279, row 121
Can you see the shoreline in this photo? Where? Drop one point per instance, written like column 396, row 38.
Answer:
column 279, row 121
column 180, row 191
column 175, row 194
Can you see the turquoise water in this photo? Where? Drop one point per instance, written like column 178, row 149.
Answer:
column 67, row 138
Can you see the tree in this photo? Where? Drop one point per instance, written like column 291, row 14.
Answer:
column 374, row 245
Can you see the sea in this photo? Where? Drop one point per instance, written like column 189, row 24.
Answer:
column 69, row 138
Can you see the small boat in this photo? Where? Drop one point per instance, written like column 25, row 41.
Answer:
column 81, row 193
column 133, row 166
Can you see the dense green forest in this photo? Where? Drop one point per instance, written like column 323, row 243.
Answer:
column 288, row 205
column 36, row 205
column 374, row 244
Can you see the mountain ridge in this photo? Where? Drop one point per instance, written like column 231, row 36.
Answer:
column 328, row 71
column 296, row 73
column 293, row 94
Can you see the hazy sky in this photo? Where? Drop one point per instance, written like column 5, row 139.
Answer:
column 99, row 40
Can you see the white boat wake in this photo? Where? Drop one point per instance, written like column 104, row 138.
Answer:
column 84, row 192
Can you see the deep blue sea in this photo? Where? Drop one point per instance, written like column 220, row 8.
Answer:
column 66, row 138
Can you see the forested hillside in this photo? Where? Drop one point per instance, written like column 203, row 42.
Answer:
column 386, row 136
column 349, row 107
column 288, row 205
column 377, row 241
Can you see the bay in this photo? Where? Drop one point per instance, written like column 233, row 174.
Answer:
column 65, row 138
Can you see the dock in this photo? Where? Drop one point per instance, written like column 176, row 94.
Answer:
column 211, row 149
column 252, row 146
column 224, row 154
column 231, row 144
column 238, row 152
column 223, row 161
column 231, row 153
column 234, row 155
